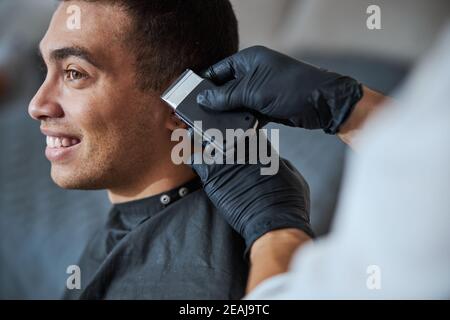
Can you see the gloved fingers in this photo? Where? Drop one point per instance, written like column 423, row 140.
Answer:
column 225, row 98
column 219, row 73
column 230, row 68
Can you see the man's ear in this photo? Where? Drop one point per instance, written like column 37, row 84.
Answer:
column 173, row 122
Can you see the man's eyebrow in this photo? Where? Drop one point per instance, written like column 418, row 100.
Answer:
column 66, row 52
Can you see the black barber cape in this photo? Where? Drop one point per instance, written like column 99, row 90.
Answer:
column 169, row 246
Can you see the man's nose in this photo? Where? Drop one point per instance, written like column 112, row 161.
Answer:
column 44, row 105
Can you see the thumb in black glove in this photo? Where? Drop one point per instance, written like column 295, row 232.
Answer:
column 281, row 89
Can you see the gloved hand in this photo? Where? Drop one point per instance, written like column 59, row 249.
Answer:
column 281, row 89
column 254, row 204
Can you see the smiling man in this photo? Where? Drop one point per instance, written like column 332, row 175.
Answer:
column 106, row 128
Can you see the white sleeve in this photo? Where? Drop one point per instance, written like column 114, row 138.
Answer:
column 391, row 235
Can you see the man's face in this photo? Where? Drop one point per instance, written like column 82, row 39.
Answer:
column 102, row 131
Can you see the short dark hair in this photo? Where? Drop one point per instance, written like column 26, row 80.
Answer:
column 169, row 36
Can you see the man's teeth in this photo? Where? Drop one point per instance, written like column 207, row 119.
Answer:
column 58, row 142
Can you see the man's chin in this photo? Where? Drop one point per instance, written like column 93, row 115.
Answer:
column 71, row 180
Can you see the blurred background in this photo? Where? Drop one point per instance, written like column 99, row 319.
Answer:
column 43, row 229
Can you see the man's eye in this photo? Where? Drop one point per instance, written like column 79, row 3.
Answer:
column 73, row 75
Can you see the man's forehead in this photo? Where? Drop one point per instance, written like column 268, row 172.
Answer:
column 98, row 24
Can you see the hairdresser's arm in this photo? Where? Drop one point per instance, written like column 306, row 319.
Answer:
column 271, row 254
column 370, row 103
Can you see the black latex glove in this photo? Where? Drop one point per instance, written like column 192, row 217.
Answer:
column 281, row 89
column 254, row 204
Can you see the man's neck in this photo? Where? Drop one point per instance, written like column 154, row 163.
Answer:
column 161, row 181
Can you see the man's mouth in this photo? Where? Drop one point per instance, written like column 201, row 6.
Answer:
column 61, row 147
column 61, row 142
